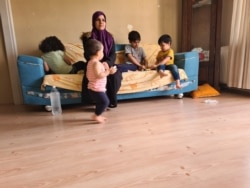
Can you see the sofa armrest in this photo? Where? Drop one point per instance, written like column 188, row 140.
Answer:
column 31, row 71
column 189, row 61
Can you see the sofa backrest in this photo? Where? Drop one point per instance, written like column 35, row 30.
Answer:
column 74, row 52
column 151, row 51
column 183, row 60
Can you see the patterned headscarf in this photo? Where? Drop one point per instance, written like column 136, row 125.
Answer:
column 102, row 35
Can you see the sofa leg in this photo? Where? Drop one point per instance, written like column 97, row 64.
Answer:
column 180, row 96
column 48, row 108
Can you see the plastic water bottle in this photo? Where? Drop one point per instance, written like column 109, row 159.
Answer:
column 210, row 101
column 55, row 101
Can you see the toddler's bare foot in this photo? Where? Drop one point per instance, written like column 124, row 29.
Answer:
column 99, row 119
column 104, row 118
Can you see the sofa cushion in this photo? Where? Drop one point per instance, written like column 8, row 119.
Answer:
column 151, row 51
column 74, row 52
column 132, row 82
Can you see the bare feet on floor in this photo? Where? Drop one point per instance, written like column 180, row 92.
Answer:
column 99, row 119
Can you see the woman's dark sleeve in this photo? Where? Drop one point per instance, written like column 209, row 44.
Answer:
column 86, row 98
column 84, row 43
column 84, row 38
column 112, row 56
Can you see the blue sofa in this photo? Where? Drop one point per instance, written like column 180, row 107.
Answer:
column 31, row 74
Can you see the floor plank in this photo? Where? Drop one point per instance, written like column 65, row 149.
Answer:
column 146, row 143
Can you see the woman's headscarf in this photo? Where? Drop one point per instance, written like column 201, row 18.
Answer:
column 102, row 35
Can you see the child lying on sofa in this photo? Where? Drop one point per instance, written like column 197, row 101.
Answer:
column 54, row 57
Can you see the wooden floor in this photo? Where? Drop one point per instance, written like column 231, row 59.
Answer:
column 150, row 143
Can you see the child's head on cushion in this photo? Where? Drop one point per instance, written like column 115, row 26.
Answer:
column 51, row 43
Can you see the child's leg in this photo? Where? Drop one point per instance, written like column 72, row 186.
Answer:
column 78, row 66
column 126, row 67
column 178, row 84
column 175, row 72
column 161, row 69
column 102, row 103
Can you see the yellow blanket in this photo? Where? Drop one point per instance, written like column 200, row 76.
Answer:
column 132, row 82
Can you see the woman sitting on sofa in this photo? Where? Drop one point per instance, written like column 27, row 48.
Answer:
column 100, row 33
column 54, row 57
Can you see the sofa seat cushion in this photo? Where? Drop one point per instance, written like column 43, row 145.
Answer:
column 133, row 81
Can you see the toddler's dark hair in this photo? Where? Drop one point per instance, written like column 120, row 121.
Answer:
column 51, row 43
column 165, row 38
column 134, row 36
column 92, row 47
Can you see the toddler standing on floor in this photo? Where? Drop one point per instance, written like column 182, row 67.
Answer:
column 97, row 73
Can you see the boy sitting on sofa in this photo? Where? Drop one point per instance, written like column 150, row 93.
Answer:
column 135, row 55
column 165, row 59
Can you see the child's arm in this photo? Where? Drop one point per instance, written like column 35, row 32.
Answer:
column 67, row 60
column 133, row 60
column 144, row 63
column 163, row 61
column 46, row 66
column 99, row 73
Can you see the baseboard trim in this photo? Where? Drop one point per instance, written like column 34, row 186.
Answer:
column 224, row 87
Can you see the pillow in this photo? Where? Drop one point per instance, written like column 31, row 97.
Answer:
column 120, row 57
column 74, row 52
column 205, row 90
column 151, row 51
